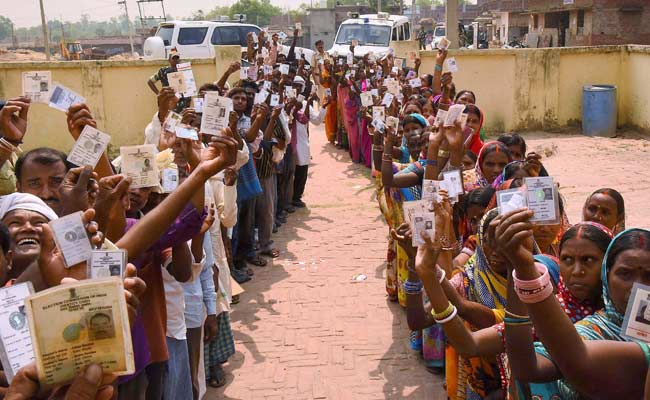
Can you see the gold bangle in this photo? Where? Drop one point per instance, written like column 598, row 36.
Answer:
column 513, row 315
column 442, row 315
column 443, row 153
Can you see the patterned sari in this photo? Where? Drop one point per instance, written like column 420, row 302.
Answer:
column 604, row 324
column 477, row 377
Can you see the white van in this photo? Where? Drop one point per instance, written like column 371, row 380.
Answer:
column 375, row 33
column 195, row 39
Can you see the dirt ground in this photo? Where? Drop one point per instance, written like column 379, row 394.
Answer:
column 583, row 164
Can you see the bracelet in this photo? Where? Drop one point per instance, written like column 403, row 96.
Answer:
column 14, row 142
column 453, row 314
column 444, row 314
column 411, row 287
column 433, row 163
column 467, row 251
column 438, row 67
column 443, row 153
column 536, row 290
column 517, row 321
column 387, row 157
column 378, row 147
column 443, row 275
column 517, row 316
column 6, row 146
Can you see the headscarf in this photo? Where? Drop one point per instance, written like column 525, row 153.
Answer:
column 503, row 177
column 606, row 323
column 476, row 144
column 483, row 284
column 420, row 119
column 477, row 377
column 474, row 178
column 25, row 201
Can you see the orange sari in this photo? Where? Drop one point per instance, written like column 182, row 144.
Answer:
column 330, row 113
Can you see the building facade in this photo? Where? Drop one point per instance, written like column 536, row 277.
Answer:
column 560, row 23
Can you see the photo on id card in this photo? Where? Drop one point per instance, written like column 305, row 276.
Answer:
column 138, row 163
column 636, row 324
column 543, row 200
column 87, row 322
column 15, row 341
column 36, row 86
column 71, row 238
column 90, row 146
column 107, row 263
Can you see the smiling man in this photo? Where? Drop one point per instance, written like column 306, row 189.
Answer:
column 40, row 172
column 24, row 215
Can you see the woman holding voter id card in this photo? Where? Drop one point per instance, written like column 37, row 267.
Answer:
column 590, row 355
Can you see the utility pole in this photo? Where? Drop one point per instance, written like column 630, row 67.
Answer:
column 46, row 41
column 378, row 6
column 451, row 20
column 128, row 21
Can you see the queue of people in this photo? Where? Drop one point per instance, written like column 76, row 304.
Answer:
column 191, row 247
column 503, row 307
column 498, row 304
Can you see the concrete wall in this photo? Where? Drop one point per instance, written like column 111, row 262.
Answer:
column 116, row 92
column 528, row 89
column 521, row 89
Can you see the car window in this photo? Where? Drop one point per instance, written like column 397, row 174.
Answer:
column 243, row 33
column 189, row 36
column 407, row 31
column 394, row 34
column 366, row 34
column 166, row 33
column 226, row 35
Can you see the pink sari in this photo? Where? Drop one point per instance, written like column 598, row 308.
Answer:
column 350, row 109
column 366, row 139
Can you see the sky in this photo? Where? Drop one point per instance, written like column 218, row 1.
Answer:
column 28, row 13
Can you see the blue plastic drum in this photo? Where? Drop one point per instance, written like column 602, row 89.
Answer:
column 599, row 111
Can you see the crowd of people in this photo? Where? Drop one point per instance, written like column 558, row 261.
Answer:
column 502, row 307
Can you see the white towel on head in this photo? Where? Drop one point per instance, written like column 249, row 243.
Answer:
column 25, row 201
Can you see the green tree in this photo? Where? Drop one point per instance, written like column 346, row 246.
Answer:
column 257, row 11
column 5, row 27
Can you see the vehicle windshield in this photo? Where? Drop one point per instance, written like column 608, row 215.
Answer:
column 191, row 35
column 166, row 33
column 366, row 34
column 440, row 31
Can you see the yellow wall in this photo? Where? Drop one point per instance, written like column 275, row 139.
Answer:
column 528, row 89
column 116, row 92
column 637, row 100
column 520, row 89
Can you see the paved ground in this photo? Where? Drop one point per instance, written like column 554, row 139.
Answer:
column 303, row 329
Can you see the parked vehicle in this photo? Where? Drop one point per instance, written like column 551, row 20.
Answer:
column 438, row 33
column 195, row 39
column 374, row 32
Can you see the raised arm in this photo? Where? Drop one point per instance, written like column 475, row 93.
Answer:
column 13, row 125
column 592, row 367
column 221, row 153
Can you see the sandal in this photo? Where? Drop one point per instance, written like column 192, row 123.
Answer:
column 257, row 260
column 219, row 378
column 273, row 253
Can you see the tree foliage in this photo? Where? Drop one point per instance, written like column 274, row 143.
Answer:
column 5, row 27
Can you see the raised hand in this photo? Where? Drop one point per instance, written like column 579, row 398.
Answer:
column 403, row 236
column 90, row 384
column 167, row 100
column 79, row 190
column 440, row 57
column 134, row 289
column 533, row 164
column 514, row 237
column 220, row 153
column 209, row 219
column 78, row 116
column 13, row 119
